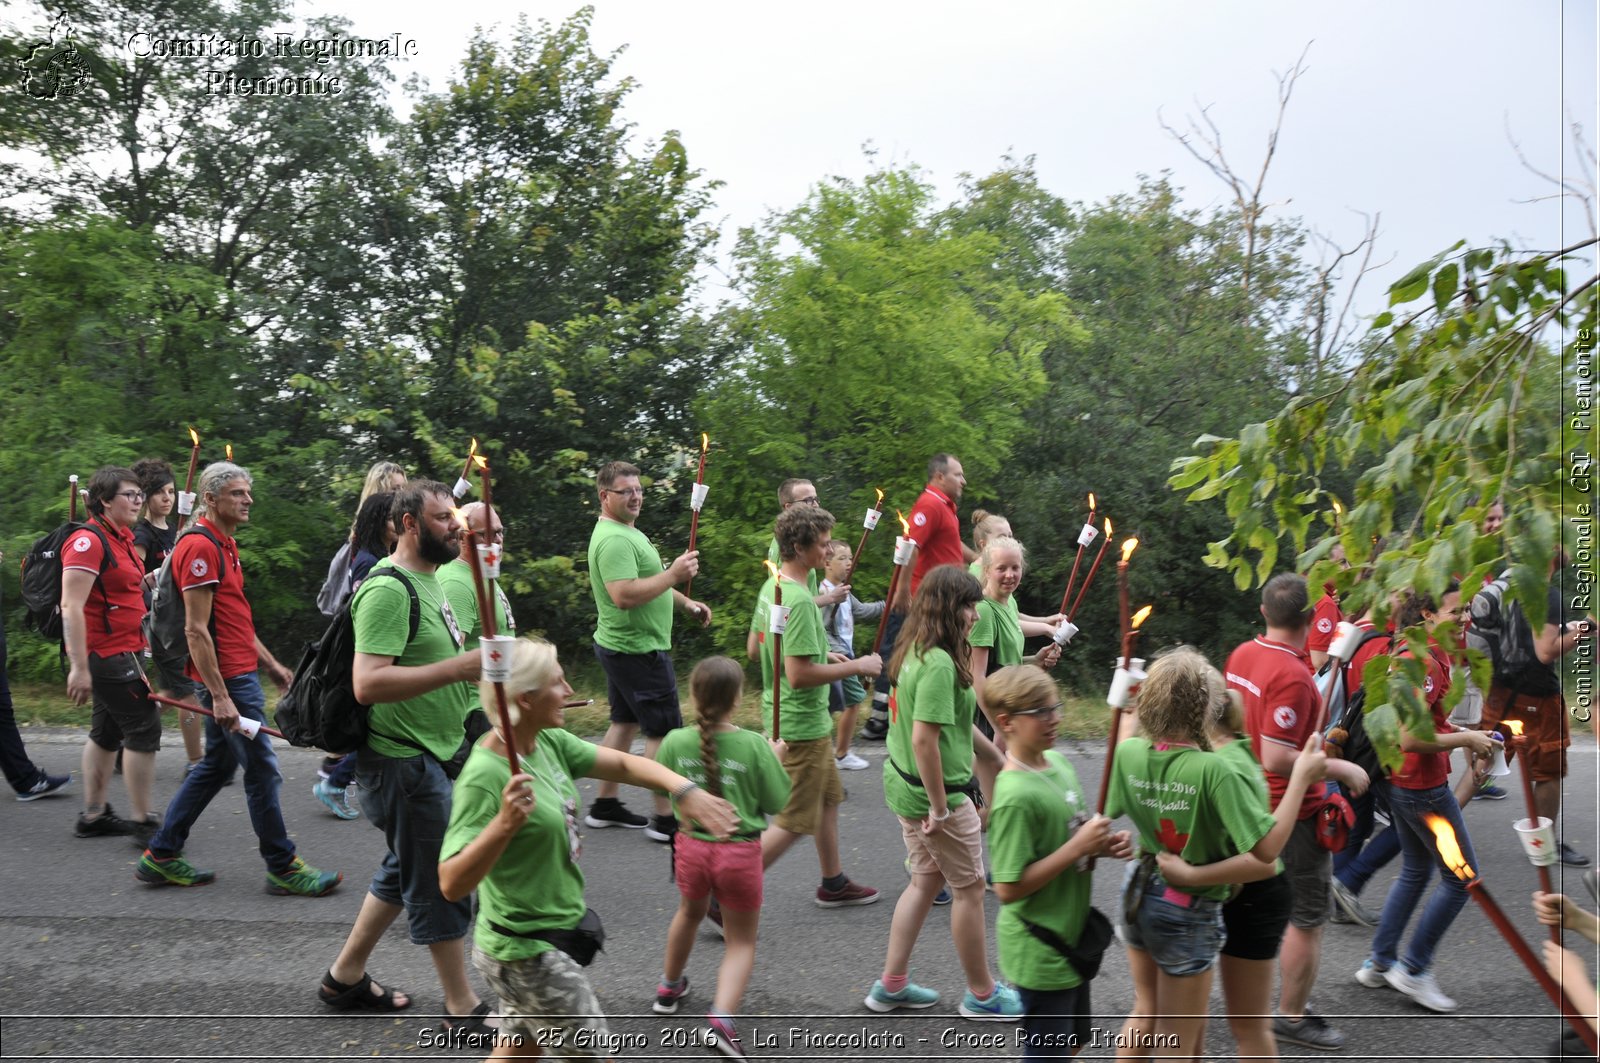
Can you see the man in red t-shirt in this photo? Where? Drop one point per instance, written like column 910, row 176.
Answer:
column 1325, row 618
column 102, row 605
column 224, row 654
column 936, row 533
column 1281, row 711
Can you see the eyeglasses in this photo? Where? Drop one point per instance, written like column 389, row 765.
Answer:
column 1046, row 710
column 131, row 496
column 812, row 501
column 632, row 492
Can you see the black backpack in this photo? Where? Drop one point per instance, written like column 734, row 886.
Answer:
column 41, row 576
column 320, row 709
column 1348, row 711
column 164, row 621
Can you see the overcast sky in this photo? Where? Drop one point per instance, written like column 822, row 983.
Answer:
column 1404, row 108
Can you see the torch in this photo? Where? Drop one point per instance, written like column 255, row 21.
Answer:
column 496, row 650
column 72, row 498
column 1450, row 853
column 874, row 512
column 1129, row 673
column 1089, row 579
column 463, row 485
column 1085, row 538
column 903, row 545
column 186, row 499
column 697, row 498
column 247, row 725
column 1538, row 837
column 778, row 618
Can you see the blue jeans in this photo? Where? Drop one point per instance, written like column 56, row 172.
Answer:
column 1364, row 856
column 1055, row 1022
column 1420, row 862
column 261, row 780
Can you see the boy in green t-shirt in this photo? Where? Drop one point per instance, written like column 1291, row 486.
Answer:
column 803, row 730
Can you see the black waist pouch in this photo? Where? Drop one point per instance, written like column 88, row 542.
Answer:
column 581, row 942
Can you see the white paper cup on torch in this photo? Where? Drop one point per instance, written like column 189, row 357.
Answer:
column 871, row 520
column 248, row 727
column 1539, row 842
column 697, row 496
column 489, row 557
column 902, row 549
column 461, row 488
column 496, row 653
column 1086, row 536
column 185, row 503
column 1497, row 760
column 778, row 617
column 1063, row 634
column 1345, row 641
column 1121, row 683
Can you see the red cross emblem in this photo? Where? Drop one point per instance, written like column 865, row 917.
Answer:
column 1169, row 836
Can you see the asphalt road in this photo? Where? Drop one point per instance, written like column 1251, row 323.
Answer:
column 97, row 966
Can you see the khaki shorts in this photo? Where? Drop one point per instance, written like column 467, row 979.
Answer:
column 548, row 1001
column 814, row 785
column 955, row 852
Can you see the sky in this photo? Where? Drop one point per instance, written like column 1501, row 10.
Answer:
column 1405, row 110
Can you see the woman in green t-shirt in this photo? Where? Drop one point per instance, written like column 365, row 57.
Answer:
column 997, row 637
column 927, row 783
column 1041, row 829
column 514, row 839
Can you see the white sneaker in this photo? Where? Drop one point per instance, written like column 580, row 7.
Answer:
column 851, row 762
column 1421, row 988
column 1371, row 976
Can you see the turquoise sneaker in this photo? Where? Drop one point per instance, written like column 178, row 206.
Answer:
column 1003, row 1005
column 912, row 996
column 302, row 880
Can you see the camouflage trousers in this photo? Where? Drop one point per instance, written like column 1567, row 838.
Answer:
column 547, row 1001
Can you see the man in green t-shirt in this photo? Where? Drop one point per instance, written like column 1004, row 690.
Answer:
column 458, row 583
column 804, row 727
column 418, row 688
column 634, row 596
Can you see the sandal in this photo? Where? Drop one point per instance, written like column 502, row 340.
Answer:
column 469, row 1029
column 357, row 997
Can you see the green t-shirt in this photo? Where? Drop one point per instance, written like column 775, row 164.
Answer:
column 976, row 569
column 536, row 884
column 1000, row 631
column 805, row 712
column 1237, row 754
column 380, row 613
column 813, row 578
column 1187, row 802
column 927, row 691
column 457, row 580
column 753, row 781
column 617, row 551
column 1034, row 814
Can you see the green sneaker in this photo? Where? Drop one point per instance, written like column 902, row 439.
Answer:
column 173, row 871
column 302, row 880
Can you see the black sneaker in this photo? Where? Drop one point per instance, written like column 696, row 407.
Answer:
column 44, row 786
column 104, row 825
column 141, row 833
column 876, row 729
column 1570, row 856
column 662, row 828
column 609, row 812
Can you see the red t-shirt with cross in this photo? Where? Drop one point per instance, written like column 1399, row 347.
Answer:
column 115, row 606
column 233, row 629
column 1424, row 771
column 937, row 532
column 1281, row 707
column 1324, row 624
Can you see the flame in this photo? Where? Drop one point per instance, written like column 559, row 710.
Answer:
column 705, row 441
column 905, row 525
column 229, row 450
column 879, row 503
column 473, row 450
column 1128, row 546
column 1514, row 726
column 1449, row 849
column 1107, row 523
column 1338, row 510
column 770, row 567
column 1141, row 616
column 460, row 516
column 480, row 461
column 1091, row 505
column 194, row 436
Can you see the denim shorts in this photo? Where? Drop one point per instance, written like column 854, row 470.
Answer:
column 1181, row 940
column 408, row 798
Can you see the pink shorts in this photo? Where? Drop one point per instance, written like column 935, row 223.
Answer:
column 731, row 870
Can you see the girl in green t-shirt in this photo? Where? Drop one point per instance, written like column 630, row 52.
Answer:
column 514, row 839
column 1041, row 829
column 926, row 782
column 997, row 637
column 738, row 765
